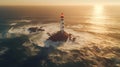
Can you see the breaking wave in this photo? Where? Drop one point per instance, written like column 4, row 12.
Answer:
column 89, row 49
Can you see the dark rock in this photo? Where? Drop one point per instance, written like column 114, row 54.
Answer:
column 35, row 29
column 59, row 36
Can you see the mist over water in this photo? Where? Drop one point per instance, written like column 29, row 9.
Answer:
column 96, row 28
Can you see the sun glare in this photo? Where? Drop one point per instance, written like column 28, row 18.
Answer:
column 97, row 18
column 98, row 10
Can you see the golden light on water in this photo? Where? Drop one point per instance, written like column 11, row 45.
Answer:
column 97, row 19
column 97, row 14
column 98, row 10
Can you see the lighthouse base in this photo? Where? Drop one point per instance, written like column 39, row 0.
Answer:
column 59, row 36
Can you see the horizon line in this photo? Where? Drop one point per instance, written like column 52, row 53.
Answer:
column 60, row 4
column 66, row 5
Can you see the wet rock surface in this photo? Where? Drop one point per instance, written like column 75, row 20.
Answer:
column 59, row 36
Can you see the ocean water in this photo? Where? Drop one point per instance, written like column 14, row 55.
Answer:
column 96, row 28
column 95, row 19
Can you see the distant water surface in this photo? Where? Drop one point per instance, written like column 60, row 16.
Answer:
column 97, row 19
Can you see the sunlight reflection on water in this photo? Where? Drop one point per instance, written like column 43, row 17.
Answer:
column 97, row 19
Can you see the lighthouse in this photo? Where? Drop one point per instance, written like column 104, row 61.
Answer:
column 62, row 23
column 60, row 35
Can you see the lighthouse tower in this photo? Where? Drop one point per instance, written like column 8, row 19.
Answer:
column 62, row 23
column 60, row 35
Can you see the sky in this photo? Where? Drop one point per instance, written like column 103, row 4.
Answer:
column 57, row 2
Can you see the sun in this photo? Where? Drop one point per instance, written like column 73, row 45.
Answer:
column 98, row 14
column 98, row 10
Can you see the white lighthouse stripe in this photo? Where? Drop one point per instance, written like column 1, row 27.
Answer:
column 62, row 23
